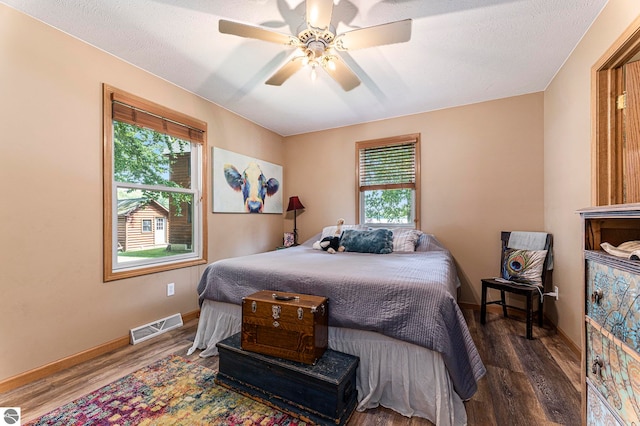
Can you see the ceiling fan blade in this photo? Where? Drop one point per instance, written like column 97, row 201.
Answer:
column 393, row 32
column 319, row 13
column 286, row 71
column 341, row 73
column 249, row 31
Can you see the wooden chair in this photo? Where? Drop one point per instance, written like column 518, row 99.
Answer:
column 529, row 291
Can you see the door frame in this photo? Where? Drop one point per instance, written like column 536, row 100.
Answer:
column 606, row 124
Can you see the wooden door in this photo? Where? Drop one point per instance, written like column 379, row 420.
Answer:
column 631, row 142
column 160, row 236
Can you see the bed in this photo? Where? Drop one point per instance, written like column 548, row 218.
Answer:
column 397, row 312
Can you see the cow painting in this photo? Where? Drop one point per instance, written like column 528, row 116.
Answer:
column 254, row 185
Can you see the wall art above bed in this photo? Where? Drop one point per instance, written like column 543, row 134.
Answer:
column 242, row 184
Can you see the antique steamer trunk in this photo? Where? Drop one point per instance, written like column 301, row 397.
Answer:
column 286, row 325
column 324, row 393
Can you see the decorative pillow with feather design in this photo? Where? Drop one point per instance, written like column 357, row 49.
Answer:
column 523, row 266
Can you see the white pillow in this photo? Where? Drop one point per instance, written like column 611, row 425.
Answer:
column 330, row 231
column 405, row 239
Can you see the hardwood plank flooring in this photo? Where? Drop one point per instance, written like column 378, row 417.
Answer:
column 528, row 382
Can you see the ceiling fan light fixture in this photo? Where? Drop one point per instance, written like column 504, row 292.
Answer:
column 318, row 43
column 316, row 49
column 329, row 62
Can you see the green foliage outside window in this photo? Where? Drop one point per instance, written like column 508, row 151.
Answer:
column 388, row 206
column 144, row 156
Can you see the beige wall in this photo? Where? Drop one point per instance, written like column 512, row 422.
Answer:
column 481, row 171
column 567, row 147
column 53, row 301
column 515, row 163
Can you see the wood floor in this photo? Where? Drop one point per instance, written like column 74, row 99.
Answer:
column 528, row 382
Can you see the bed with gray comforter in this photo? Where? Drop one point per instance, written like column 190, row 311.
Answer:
column 408, row 296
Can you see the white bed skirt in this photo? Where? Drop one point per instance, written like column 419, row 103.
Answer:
column 401, row 376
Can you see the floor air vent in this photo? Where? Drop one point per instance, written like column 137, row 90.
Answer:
column 147, row 331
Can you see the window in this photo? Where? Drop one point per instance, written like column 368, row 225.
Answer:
column 154, row 195
column 388, row 175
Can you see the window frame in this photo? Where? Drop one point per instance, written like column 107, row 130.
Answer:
column 111, row 270
column 382, row 142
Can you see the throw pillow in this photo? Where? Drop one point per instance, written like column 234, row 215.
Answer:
column 329, row 231
column 405, row 239
column 523, row 266
column 379, row 241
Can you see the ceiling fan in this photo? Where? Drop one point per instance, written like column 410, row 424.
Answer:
column 318, row 44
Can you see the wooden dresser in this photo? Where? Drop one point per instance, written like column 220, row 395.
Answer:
column 611, row 327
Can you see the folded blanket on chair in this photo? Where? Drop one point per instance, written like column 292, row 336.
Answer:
column 530, row 241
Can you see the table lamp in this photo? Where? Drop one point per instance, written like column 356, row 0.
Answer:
column 295, row 205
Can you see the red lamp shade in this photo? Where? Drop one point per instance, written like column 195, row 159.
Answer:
column 294, row 204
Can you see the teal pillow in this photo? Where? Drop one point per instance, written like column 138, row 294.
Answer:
column 523, row 266
column 378, row 241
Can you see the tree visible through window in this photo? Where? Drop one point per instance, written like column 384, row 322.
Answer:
column 388, row 181
column 388, row 206
column 153, row 175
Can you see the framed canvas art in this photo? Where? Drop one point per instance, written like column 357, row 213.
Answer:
column 243, row 184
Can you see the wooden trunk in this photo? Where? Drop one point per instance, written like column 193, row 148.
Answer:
column 286, row 325
column 323, row 394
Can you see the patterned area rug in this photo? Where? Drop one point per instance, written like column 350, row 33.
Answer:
column 173, row 391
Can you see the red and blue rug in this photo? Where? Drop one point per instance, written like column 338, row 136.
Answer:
column 172, row 391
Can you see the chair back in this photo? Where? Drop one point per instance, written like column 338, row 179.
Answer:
column 548, row 245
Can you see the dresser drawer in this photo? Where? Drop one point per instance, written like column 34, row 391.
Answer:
column 612, row 301
column 614, row 372
column 598, row 412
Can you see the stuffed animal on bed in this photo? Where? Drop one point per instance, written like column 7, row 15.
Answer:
column 331, row 244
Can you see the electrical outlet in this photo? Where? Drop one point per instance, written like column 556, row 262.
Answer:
column 171, row 289
column 557, row 294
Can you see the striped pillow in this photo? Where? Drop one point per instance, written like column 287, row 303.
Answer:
column 405, row 239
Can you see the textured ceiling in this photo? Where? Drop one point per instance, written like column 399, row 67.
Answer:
column 460, row 52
